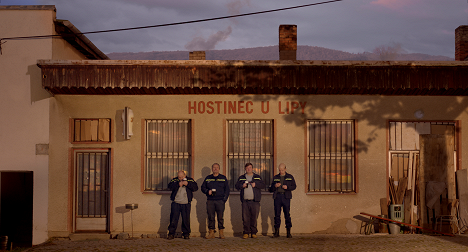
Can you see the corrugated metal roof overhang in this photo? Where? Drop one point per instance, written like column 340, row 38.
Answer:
column 108, row 77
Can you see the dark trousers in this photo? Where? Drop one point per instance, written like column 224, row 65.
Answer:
column 250, row 210
column 215, row 207
column 281, row 201
column 176, row 211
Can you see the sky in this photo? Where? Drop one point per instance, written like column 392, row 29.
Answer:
column 356, row 26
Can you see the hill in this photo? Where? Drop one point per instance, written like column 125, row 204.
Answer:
column 271, row 53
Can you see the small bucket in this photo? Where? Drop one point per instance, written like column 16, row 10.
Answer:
column 394, row 228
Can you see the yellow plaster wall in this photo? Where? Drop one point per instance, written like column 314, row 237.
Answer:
column 310, row 213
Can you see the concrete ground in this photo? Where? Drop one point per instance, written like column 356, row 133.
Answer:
column 374, row 242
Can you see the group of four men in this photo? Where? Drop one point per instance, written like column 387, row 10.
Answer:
column 216, row 188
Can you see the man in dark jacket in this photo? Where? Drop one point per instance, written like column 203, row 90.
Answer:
column 182, row 188
column 216, row 188
column 250, row 185
column 281, row 187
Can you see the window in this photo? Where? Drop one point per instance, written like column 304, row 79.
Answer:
column 91, row 130
column 168, row 150
column 250, row 142
column 331, row 156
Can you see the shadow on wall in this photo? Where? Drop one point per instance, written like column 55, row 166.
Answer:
column 119, row 126
column 122, row 210
column 236, row 213
column 165, row 204
column 35, row 81
column 200, row 207
column 266, row 208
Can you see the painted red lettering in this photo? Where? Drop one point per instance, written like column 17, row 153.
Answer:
column 249, row 111
column 201, row 107
column 232, row 107
column 302, row 106
column 219, row 104
column 294, row 105
column 279, row 107
column 265, row 111
column 210, row 109
column 240, row 107
column 194, row 107
column 225, row 108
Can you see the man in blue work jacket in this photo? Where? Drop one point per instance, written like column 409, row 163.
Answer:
column 216, row 188
column 250, row 186
column 281, row 187
column 182, row 188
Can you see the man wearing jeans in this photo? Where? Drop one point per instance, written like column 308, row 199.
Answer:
column 250, row 186
column 216, row 188
column 182, row 188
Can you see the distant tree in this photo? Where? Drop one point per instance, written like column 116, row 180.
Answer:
column 390, row 52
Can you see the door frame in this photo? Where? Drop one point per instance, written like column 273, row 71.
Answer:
column 73, row 182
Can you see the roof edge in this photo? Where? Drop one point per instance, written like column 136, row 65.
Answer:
column 239, row 63
column 70, row 33
column 28, row 7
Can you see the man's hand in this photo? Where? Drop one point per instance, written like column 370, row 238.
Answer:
column 210, row 192
column 185, row 182
column 285, row 187
column 277, row 184
column 245, row 185
column 253, row 184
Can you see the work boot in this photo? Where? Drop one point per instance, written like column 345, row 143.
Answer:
column 254, row 236
column 276, row 233
column 221, row 234
column 245, row 236
column 288, row 233
column 211, row 234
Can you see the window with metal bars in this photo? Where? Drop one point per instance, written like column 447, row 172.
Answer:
column 331, row 156
column 250, row 141
column 168, row 150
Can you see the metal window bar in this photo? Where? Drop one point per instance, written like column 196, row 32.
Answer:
column 250, row 141
column 168, row 144
column 92, row 181
column 331, row 155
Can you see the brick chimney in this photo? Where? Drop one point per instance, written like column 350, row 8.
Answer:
column 461, row 43
column 287, row 42
column 197, row 55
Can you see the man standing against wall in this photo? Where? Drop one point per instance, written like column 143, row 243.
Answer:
column 216, row 188
column 250, row 185
column 281, row 187
column 182, row 188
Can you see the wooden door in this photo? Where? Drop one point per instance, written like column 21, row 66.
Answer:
column 91, row 191
column 437, row 165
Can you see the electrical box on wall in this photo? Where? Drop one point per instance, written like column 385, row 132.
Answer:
column 127, row 119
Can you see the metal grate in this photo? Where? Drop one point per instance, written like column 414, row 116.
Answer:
column 250, row 142
column 168, row 150
column 331, row 156
column 92, row 170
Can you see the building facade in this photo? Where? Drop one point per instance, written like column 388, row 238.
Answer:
column 24, row 125
column 343, row 129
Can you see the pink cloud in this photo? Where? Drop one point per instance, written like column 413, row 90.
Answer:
column 396, row 4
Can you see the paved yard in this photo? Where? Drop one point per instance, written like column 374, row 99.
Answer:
column 374, row 242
